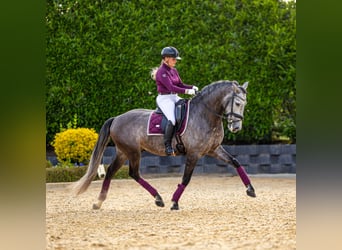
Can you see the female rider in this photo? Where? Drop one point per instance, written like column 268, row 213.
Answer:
column 169, row 85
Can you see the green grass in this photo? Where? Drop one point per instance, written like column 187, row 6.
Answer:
column 71, row 174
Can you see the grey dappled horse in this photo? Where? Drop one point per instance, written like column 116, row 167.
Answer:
column 203, row 136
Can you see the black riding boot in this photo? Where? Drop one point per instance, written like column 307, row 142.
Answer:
column 168, row 138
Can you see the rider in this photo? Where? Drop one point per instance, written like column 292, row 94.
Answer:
column 169, row 85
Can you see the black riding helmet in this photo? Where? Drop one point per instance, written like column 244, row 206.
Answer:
column 170, row 52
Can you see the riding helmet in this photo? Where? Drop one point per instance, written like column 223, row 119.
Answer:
column 170, row 52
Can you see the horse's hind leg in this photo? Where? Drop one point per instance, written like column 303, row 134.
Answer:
column 112, row 169
column 134, row 173
column 189, row 169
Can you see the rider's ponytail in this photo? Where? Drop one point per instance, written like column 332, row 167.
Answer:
column 154, row 72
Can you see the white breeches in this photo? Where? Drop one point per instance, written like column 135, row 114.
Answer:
column 167, row 104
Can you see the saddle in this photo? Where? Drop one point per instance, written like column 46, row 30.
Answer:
column 157, row 122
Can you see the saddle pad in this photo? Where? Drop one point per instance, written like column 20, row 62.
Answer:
column 154, row 124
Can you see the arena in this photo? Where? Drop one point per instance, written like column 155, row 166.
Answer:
column 215, row 213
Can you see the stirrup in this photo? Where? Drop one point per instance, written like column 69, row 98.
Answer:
column 169, row 150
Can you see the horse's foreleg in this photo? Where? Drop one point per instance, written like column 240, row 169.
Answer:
column 189, row 169
column 245, row 179
column 112, row 169
column 176, row 196
column 134, row 173
column 221, row 154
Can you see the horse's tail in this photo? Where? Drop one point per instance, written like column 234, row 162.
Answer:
column 82, row 184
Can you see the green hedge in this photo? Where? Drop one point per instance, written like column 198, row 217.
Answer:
column 99, row 55
column 59, row 174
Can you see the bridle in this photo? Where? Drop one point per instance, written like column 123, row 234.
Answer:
column 232, row 113
column 228, row 116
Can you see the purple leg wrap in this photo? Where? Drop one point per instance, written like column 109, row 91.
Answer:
column 243, row 175
column 104, row 189
column 105, row 185
column 178, row 192
column 148, row 187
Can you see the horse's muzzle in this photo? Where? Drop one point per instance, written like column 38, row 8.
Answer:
column 234, row 126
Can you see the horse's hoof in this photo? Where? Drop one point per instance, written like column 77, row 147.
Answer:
column 175, row 206
column 96, row 207
column 250, row 191
column 159, row 201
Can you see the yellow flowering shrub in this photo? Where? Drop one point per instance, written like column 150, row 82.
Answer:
column 75, row 145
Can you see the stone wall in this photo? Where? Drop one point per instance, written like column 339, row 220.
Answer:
column 278, row 158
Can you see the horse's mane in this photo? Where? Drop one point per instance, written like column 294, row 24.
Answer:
column 212, row 87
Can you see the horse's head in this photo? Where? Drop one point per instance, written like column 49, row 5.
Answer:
column 235, row 107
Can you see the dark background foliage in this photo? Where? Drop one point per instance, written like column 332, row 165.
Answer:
column 99, row 55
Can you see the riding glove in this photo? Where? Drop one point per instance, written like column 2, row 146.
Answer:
column 190, row 91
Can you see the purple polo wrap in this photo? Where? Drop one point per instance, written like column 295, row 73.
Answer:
column 105, row 185
column 243, row 175
column 178, row 192
column 148, row 187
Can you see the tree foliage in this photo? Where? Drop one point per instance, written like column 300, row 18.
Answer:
column 100, row 53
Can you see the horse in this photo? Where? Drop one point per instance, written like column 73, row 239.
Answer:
column 204, row 134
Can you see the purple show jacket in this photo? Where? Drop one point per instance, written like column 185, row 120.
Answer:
column 168, row 81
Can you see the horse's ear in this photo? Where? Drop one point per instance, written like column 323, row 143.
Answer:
column 245, row 85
